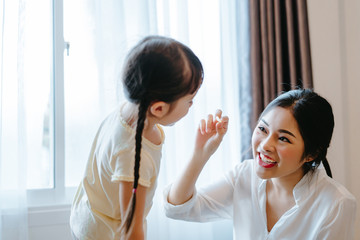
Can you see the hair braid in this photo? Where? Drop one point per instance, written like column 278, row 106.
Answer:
column 143, row 106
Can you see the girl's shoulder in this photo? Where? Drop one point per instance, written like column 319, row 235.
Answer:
column 114, row 131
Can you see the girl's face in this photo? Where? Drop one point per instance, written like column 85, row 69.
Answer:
column 179, row 109
column 278, row 146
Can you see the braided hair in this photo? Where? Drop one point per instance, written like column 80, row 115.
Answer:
column 156, row 69
column 315, row 120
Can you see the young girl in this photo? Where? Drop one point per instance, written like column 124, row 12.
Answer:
column 160, row 77
column 281, row 193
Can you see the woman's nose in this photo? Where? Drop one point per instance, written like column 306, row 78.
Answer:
column 267, row 144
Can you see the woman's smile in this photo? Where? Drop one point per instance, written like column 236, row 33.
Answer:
column 265, row 161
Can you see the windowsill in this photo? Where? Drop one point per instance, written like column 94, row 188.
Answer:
column 49, row 215
column 49, row 207
column 50, row 197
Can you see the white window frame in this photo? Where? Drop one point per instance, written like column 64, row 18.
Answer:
column 59, row 195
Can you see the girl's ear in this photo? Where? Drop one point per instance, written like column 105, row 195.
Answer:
column 159, row 109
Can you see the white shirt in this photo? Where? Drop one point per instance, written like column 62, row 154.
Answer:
column 323, row 209
column 95, row 212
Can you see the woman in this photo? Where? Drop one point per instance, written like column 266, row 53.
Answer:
column 282, row 193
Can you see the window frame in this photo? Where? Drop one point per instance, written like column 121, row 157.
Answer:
column 59, row 194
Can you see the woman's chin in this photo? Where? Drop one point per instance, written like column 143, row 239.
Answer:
column 262, row 173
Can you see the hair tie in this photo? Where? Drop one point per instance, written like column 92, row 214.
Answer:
column 134, row 190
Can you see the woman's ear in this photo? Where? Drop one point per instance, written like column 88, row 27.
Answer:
column 310, row 158
column 159, row 109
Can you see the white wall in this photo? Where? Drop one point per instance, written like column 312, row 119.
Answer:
column 335, row 49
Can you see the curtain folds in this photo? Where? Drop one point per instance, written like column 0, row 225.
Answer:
column 13, row 198
column 280, row 50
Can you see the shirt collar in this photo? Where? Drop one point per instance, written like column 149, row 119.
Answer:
column 301, row 189
column 306, row 185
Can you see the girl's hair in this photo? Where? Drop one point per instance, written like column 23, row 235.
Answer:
column 157, row 69
column 315, row 120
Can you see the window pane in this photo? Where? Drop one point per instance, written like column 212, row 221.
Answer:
column 38, row 95
column 89, row 84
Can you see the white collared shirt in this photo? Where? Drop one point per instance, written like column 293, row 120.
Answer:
column 323, row 208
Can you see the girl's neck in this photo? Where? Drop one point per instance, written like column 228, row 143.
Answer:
column 129, row 113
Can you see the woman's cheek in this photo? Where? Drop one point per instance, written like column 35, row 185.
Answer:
column 288, row 153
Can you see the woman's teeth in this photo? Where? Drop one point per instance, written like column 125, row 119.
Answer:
column 265, row 159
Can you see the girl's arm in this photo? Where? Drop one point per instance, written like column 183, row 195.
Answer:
column 209, row 136
column 136, row 230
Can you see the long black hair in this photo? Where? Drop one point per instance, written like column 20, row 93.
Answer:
column 157, row 69
column 315, row 120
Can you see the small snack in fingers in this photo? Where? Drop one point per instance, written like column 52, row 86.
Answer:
column 218, row 119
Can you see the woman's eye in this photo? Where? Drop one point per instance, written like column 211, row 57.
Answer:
column 262, row 129
column 284, row 139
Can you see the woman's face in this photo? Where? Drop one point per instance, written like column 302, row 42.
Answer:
column 278, row 146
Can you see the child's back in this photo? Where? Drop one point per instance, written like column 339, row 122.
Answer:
column 96, row 207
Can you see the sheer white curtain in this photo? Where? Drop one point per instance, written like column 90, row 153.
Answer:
column 13, row 208
column 25, row 78
column 101, row 33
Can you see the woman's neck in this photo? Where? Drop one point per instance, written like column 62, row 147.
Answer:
column 285, row 185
